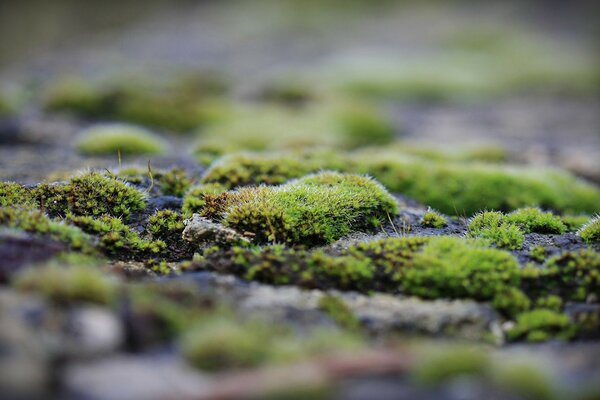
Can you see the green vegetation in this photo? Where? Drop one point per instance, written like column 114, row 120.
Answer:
column 113, row 139
column 432, row 219
column 461, row 188
column 510, row 302
column 91, row 194
column 550, row 302
column 172, row 182
column 538, row 253
column 39, row 224
column 13, row 195
column 534, row 220
column 590, row 232
column 116, row 238
column 180, row 107
column 200, row 199
column 339, row 312
column 540, row 325
column 68, row 284
column 313, row 210
column 440, row 366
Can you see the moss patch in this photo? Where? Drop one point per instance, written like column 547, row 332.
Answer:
column 432, row 219
column 540, row 325
column 113, row 139
column 590, row 232
column 13, row 194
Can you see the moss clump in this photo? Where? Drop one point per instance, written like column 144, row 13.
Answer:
column 110, row 139
column 432, row 219
column 590, row 232
column 116, row 238
column 510, row 302
column 68, row 284
column 492, row 226
column 531, row 219
column 312, row 210
column 550, row 302
column 91, row 194
column 37, row 223
column 574, row 222
column 13, row 194
column 200, row 199
column 339, row 312
column 441, row 366
column 538, row 253
column 175, row 108
column 540, row 325
column 574, row 275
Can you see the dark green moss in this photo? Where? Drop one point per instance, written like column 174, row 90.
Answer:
column 167, row 226
column 117, row 239
column 92, row 194
column 15, row 195
column 38, row 223
column 540, row 325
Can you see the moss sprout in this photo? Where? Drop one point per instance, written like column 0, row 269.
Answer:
column 118, row 138
column 590, row 232
column 91, row 194
column 432, row 219
column 68, row 284
column 540, row 325
column 315, row 209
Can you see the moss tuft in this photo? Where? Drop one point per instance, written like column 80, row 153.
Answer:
column 15, row 195
column 540, row 325
column 432, row 219
column 510, row 302
column 492, row 226
column 316, row 209
column 590, row 232
column 111, row 139
column 531, row 219
column 68, row 284
column 91, row 194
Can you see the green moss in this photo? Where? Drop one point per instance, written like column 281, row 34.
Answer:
column 492, row 226
column 91, row 194
column 441, row 366
column 432, row 219
column 68, row 284
column 551, row 302
column 339, row 312
column 116, row 238
column 312, row 210
column 165, row 224
column 540, row 325
column 534, row 220
column 172, row 182
column 175, row 108
column 590, row 232
column 574, row 275
column 13, row 194
column 538, row 253
column 201, row 199
column 363, row 126
column 511, row 302
column 112, row 139
column 524, row 380
column 574, row 222
column 38, row 223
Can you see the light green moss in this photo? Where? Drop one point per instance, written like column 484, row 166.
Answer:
column 68, row 284
column 590, row 232
column 440, row 366
column 37, row 223
column 315, row 209
column 511, row 302
column 540, row 325
column 112, row 139
column 538, row 253
column 551, row 302
column 492, row 226
column 432, row 219
column 534, row 220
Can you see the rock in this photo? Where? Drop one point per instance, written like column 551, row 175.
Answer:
column 132, row 378
column 93, row 331
column 200, row 230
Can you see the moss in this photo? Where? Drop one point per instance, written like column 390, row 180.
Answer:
column 574, row 275
column 510, row 302
column 315, row 209
column 225, row 344
column 171, row 182
column 167, row 226
column 550, row 302
column 441, row 366
column 524, row 380
column 37, row 223
column 13, row 194
column 590, row 232
column 432, row 219
column 538, row 253
column 117, row 138
column 168, row 108
column 117, row 239
column 200, row 199
column 174, row 182
column 534, row 220
column 68, row 284
column 452, row 187
column 363, row 126
column 492, row 226
column 91, row 194
column 339, row 312
column 574, row 222
column 540, row 325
